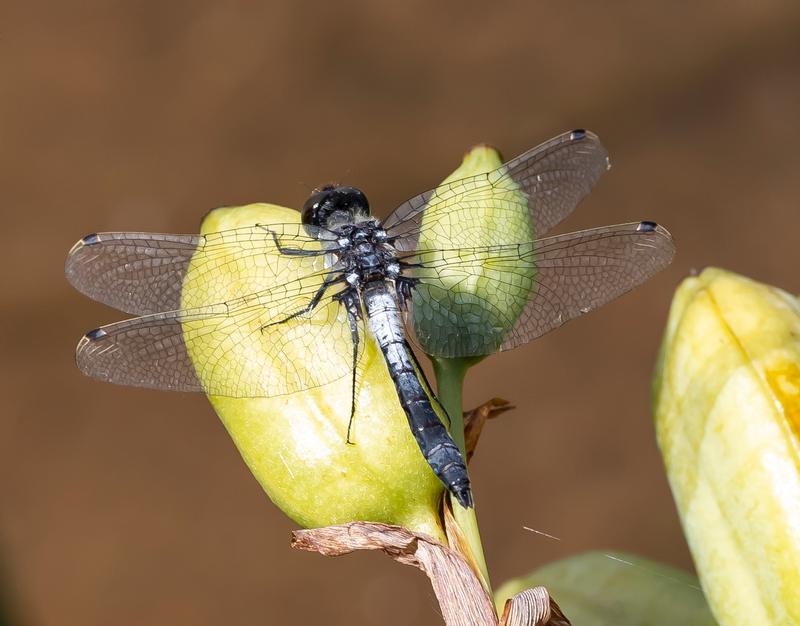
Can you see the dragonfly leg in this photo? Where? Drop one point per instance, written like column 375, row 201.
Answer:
column 354, row 334
column 349, row 298
column 311, row 304
column 291, row 251
column 403, row 286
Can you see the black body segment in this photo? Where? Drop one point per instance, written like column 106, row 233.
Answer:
column 434, row 441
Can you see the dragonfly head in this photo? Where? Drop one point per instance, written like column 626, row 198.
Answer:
column 331, row 206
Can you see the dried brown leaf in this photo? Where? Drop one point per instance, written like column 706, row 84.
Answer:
column 475, row 419
column 533, row 607
column 461, row 596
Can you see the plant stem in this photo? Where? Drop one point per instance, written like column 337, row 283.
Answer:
column 450, row 384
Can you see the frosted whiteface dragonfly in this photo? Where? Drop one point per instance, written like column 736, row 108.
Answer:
column 463, row 266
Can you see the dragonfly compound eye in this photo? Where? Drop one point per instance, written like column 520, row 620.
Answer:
column 333, row 206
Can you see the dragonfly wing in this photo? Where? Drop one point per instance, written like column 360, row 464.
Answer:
column 143, row 273
column 142, row 352
column 244, row 348
column 475, row 301
column 546, row 182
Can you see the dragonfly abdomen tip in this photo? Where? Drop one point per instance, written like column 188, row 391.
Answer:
column 464, row 497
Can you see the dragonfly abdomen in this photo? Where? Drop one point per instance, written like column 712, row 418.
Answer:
column 438, row 448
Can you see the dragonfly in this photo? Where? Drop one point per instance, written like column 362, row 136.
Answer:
column 462, row 270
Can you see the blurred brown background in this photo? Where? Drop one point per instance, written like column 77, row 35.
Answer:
column 126, row 506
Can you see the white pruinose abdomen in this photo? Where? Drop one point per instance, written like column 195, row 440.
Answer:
column 441, row 453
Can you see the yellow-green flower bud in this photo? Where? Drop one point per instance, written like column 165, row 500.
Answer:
column 467, row 302
column 295, row 445
column 727, row 411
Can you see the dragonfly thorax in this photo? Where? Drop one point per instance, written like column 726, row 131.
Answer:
column 365, row 253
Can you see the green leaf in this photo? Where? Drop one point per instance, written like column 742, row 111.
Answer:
column 617, row 589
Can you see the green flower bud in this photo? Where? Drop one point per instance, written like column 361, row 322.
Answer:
column 727, row 412
column 295, row 445
column 465, row 300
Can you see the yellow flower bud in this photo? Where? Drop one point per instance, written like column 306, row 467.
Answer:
column 295, row 445
column 727, row 411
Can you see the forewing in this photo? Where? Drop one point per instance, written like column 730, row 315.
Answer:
column 545, row 183
column 243, row 348
column 475, row 301
column 143, row 273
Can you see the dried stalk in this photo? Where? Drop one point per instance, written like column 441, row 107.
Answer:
column 461, row 596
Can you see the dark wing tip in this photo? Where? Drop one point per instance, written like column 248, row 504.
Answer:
column 88, row 349
column 88, row 240
column 646, row 226
column 74, row 252
column 581, row 134
column 95, row 334
column 660, row 237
